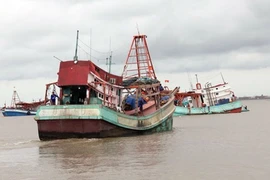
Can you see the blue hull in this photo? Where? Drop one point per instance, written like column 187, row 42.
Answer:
column 18, row 112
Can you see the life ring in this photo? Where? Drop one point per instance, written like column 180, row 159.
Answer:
column 198, row 86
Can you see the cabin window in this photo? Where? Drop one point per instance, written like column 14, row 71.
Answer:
column 216, row 93
column 216, row 88
column 100, row 95
column 107, row 98
column 112, row 80
column 203, row 96
column 111, row 89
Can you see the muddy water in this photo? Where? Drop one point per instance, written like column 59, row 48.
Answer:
column 228, row 146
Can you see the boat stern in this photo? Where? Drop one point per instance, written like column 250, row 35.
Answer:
column 66, row 112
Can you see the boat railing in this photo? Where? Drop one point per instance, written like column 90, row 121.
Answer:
column 103, row 81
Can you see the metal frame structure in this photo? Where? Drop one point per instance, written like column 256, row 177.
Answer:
column 138, row 62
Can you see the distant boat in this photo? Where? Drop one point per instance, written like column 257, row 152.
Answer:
column 95, row 104
column 17, row 112
column 211, row 99
column 19, row 108
column 244, row 109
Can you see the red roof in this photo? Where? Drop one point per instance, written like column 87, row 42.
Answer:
column 73, row 74
column 77, row 74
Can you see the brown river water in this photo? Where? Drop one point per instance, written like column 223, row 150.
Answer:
column 210, row 147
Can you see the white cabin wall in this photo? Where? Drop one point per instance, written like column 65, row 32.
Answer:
column 111, row 92
column 217, row 93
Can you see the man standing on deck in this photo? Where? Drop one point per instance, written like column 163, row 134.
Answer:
column 53, row 98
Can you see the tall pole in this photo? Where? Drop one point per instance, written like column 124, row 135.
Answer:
column 196, row 78
column 109, row 60
column 222, row 78
column 90, row 48
column 76, row 49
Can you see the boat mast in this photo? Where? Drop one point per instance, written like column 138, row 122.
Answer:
column 109, row 60
column 90, row 47
column 76, row 49
column 190, row 82
column 15, row 98
column 138, row 62
column 222, row 78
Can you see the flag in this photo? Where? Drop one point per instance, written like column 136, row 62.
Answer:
column 166, row 81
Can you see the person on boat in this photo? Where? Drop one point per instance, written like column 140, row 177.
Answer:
column 85, row 101
column 164, row 99
column 141, row 102
column 233, row 98
column 53, row 98
column 161, row 87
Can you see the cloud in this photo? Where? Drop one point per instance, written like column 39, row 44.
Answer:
column 215, row 36
column 195, row 36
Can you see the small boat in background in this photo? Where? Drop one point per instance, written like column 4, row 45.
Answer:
column 17, row 112
column 244, row 109
column 212, row 99
column 19, row 108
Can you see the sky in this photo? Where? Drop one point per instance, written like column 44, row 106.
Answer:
column 185, row 37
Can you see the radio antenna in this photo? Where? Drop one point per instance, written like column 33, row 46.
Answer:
column 57, row 58
column 137, row 28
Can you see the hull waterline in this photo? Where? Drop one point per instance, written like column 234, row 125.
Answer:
column 95, row 121
column 234, row 107
column 91, row 128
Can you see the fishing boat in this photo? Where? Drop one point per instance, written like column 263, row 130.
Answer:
column 211, row 99
column 94, row 103
column 20, row 108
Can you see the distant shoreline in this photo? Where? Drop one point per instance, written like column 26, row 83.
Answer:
column 254, row 98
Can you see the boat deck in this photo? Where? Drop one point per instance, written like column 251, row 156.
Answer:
column 148, row 108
